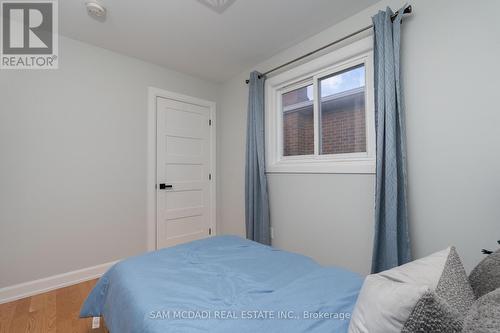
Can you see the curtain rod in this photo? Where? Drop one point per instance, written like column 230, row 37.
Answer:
column 407, row 10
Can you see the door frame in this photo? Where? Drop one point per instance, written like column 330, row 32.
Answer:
column 152, row 223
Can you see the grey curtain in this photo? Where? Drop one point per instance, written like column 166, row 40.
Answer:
column 256, row 196
column 392, row 242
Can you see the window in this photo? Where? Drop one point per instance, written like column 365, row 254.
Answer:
column 319, row 115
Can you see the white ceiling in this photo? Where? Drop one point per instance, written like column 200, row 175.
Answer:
column 186, row 36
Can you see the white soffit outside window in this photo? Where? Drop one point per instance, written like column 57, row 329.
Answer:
column 218, row 6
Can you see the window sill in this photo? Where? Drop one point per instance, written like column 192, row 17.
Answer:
column 366, row 166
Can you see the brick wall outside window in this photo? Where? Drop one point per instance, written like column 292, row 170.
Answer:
column 343, row 127
column 298, row 132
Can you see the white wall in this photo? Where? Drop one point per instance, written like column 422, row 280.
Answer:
column 73, row 148
column 73, row 152
column 451, row 78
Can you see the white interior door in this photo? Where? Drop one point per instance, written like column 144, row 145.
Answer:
column 184, row 208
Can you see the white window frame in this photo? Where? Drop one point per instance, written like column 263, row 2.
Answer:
column 360, row 52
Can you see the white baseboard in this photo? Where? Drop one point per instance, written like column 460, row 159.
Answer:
column 27, row 289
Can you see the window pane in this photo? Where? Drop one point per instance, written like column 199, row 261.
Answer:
column 342, row 112
column 298, row 122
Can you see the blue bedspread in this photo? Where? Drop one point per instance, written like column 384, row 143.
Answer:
column 223, row 284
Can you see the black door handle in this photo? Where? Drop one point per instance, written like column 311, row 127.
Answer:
column 165, row 186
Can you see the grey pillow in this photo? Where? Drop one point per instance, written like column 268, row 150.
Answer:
column 433, row 314
column 486, row 276
column 443, row 310
column 484, row 315
column 454, row 286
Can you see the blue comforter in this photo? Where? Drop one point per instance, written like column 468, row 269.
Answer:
column 223, row 284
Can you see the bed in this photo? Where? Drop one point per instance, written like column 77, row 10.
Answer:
column 223, row 284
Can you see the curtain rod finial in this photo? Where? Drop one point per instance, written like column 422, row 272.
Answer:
column 247, row 81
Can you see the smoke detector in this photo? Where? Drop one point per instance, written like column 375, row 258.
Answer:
column 95, row 9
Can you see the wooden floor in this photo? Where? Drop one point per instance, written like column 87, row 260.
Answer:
column 55, row 312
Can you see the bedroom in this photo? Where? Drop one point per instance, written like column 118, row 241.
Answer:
column 80, row 165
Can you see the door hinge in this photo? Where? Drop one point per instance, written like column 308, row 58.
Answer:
column 209, row 122
column 209, row 176
column 209, row 231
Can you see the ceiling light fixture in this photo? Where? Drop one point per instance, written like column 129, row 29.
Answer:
column 217, row 5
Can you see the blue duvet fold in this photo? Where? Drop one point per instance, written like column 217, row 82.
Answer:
column 223, row 284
